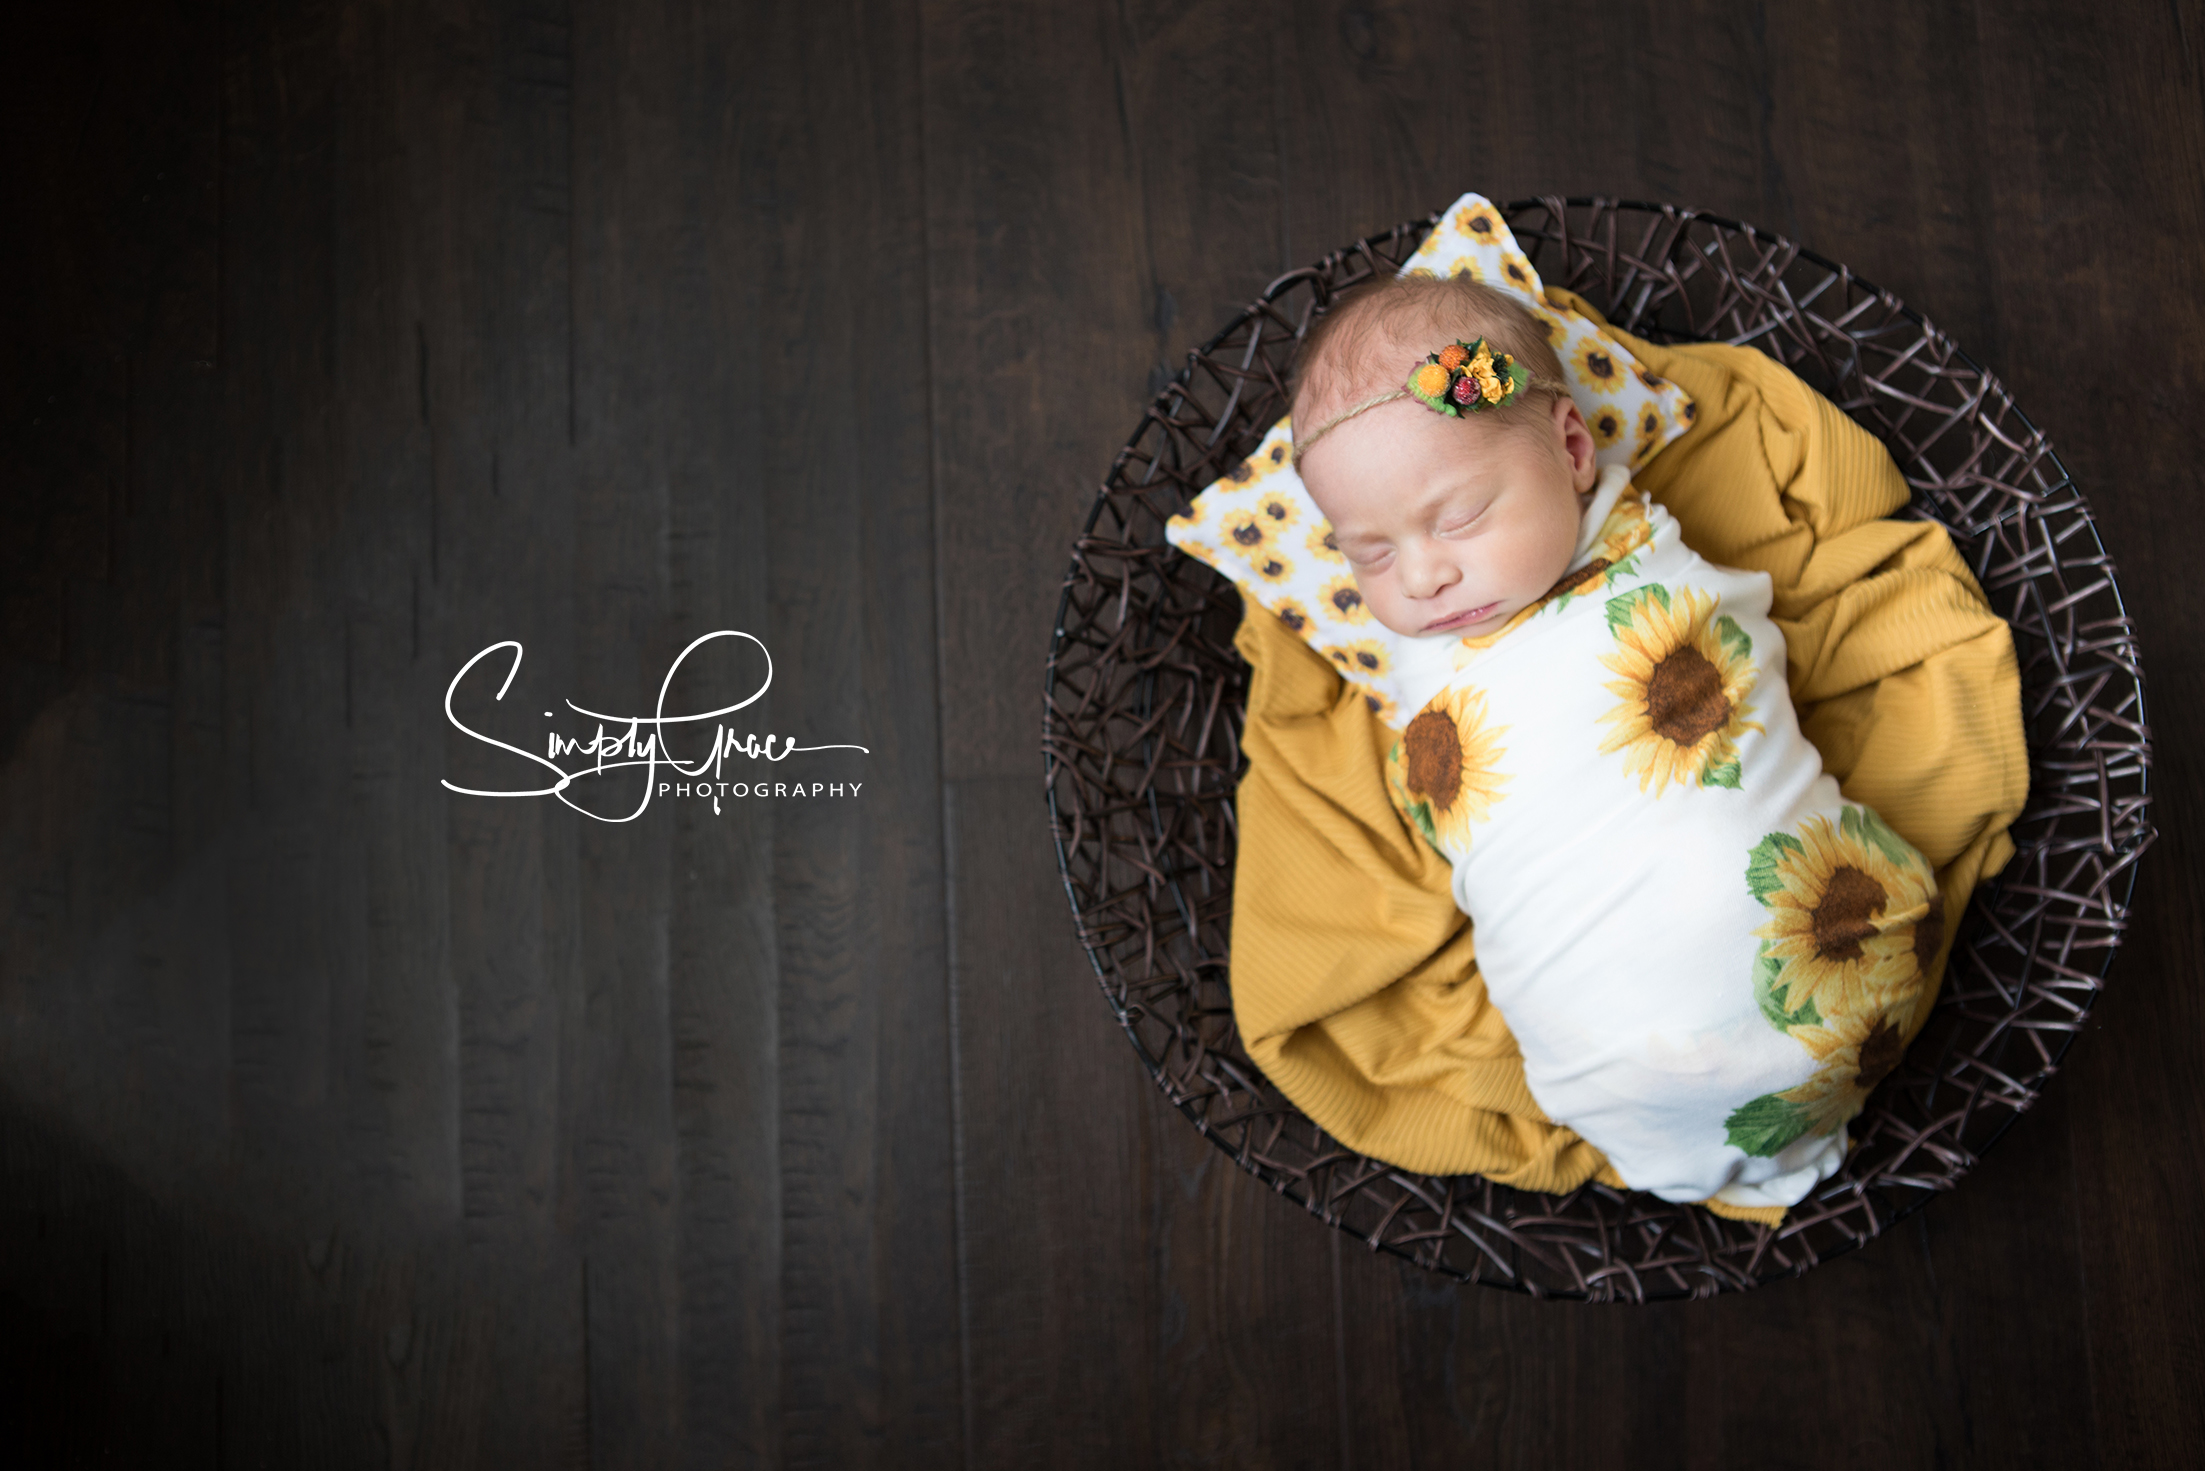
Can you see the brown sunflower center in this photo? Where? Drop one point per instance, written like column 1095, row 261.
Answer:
column 1571, row 581
column 1248, row 534
column 1432, row 748
column 1879, row 1054
column 1684, row 697
column 1847, row 914
column 1347, row 600
column 1599, row 365
column 1929, row 934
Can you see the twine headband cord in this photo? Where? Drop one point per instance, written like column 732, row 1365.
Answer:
column 1461, row 378
column 1301, row 445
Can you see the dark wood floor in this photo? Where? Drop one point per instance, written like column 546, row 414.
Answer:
column 348, row 1122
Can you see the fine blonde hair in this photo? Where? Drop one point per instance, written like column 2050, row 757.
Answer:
column 1361, row 350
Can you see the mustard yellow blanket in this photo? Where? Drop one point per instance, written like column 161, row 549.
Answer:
column 1354, row 976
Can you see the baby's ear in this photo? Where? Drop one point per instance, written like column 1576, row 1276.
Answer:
column 1577, row 443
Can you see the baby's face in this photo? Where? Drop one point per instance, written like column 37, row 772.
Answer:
column 1450, row 525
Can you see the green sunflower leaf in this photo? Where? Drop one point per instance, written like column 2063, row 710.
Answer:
column 1764, row 1126
column 1421, row 815
column 1889, row 843
column 1725, row 775
column 1761, row 879
column 1623, row 605
column 1734, row 638
column 1628, row 567
column 1775, row 1000
column 1767, row 995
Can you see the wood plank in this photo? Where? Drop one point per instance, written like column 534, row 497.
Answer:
column 1066, row 1313
column 1172, row 223
column 833, row 208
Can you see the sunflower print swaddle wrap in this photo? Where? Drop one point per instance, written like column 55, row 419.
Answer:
column 1707, row 955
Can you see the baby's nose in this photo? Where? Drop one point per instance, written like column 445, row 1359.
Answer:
column 1427, row 575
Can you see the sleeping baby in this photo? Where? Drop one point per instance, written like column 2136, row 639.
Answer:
column 1707, row 956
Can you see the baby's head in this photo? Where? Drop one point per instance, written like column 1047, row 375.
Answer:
column 1450, row 525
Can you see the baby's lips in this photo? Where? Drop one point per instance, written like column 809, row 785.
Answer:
column 1462, row 619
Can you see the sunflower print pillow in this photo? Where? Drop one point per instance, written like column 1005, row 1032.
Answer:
column 1258, row 526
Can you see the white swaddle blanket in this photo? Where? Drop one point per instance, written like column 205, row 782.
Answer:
column 1707, row 956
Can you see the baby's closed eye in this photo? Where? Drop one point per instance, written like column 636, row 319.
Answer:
column 1458, row 521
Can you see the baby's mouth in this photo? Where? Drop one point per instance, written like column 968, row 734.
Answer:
column 1460, row 620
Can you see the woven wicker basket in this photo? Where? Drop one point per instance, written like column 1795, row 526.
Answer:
column 1146, row 695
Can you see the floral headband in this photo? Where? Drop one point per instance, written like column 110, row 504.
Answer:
column 1461, row 378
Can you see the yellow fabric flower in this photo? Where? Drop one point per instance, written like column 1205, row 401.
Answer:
column 1257, row 466
column 1598, row 364
column 1517, row 272
column 1608, row 424
column 1855, row 1053
column 1626, row 529
column 1482, row 223
column 1343, row 600
column 1445, row 768
column 1245, row 531
column 1849, row 902
column 1685, row 672
column 1202, row 552
column 1277, row 511
column 1366, row 658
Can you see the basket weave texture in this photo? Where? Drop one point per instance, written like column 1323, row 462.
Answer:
column 1146, row 697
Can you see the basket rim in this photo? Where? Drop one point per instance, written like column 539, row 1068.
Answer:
column 1177, row 385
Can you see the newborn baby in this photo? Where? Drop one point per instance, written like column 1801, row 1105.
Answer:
column 1707, row 956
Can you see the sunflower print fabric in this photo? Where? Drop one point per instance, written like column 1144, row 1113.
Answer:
column 1855, row 925
column 1708, row 957
column 1445, row 770
column 1851, row 907
column 1257, row 525
column 1686, row 670
column 1598, row 774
